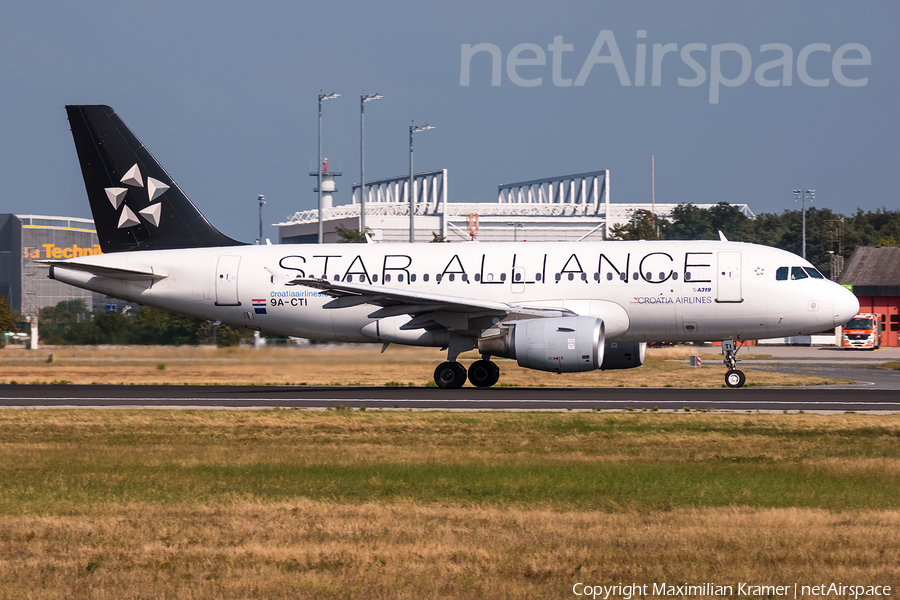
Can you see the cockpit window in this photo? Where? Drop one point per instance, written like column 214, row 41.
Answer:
column 798, row 273
column 781, row 274
column 814, row 273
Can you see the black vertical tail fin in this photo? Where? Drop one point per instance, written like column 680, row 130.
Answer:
column 136, row 205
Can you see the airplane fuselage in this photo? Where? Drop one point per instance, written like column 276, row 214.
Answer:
column 643, row 291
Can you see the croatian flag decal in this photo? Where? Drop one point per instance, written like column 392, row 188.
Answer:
column 259, row 305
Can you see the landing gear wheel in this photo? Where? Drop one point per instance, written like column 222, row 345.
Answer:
column 735, row 378
column 483, row 373
column 450, row 375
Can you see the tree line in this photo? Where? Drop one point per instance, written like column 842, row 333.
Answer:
column 827, row 232
column 70, row 323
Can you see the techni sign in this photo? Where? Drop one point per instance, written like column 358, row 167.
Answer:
column 54, row 251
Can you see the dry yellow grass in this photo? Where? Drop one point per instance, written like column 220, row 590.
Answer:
column 338, row 365
column 307, row 549
column 66, row 532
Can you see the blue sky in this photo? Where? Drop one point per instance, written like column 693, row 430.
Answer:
column 224, row 94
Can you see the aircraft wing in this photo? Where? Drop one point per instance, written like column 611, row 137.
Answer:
column 99, row 271
column 428, row 311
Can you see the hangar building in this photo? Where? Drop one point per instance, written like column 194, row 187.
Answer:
column 25, row 239
column 873, row 274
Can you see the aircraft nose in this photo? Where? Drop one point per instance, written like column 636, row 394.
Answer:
column 846, row 306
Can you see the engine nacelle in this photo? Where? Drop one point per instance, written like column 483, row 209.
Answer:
column 624, row 355
column 560, row 344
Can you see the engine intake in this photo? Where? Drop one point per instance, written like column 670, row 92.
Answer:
column 559, row 344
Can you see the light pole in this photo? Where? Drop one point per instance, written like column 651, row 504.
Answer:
column 515, row 227
column 803, row 196
column 362, row 158
column 262, row 200
column 330, row 96
column 412, row 190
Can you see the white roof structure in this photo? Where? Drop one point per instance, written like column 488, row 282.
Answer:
column 565, row 208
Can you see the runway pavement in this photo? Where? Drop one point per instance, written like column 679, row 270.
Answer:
column 771, row 399
column 876, row 390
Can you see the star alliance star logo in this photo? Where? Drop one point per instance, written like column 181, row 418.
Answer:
column 155, row 189
column 759, row 271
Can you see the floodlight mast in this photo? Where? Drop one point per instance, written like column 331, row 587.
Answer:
column 803, row 196
column 262, row 200
column 322, row 97
column 412, row 190
column 362, row 157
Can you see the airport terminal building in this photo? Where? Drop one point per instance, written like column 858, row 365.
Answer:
column 25, row 239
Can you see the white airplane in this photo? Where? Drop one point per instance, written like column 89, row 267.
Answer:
column 560, row 307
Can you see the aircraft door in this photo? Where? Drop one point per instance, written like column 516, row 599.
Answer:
column 518, row 280
column 227, row 281
column 728, row 277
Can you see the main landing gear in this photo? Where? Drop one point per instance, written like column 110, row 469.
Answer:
column 733, row 378
column 451, row 375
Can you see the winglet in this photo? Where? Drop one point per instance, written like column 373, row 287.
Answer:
column 722, row 237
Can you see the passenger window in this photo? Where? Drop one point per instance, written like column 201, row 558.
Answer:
column 798, row 273
column 518, row 277
column 477, row 276
column 465, row 277
column 537, row 276
column 781, row 274
column 438, row 277
column 400, row 277
column 387, row 278
column 814, row 273
column 609, row 276
column 374, row 278
column 425, row 277
column 674, row 276
column 452, row 277
column 571, row 276
column 412, row 277
column 502, row 276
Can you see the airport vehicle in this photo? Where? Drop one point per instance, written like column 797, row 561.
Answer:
column 559, row 307
column 864, row 331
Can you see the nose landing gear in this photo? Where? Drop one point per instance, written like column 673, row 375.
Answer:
column 733, row 378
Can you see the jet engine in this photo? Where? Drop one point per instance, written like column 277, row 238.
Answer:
column 624, row 355
column 559, row 344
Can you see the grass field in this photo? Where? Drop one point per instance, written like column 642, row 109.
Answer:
column 352, row 504
column 348, row 364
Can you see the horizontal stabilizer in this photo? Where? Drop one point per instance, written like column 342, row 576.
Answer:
column 110, row 272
